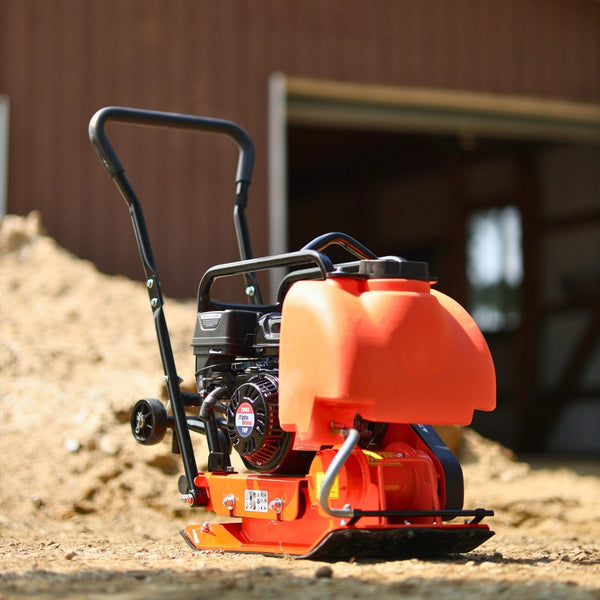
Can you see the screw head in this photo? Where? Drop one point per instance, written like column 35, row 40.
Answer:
column 229, row 502
column 276, row 505
column 250, row 290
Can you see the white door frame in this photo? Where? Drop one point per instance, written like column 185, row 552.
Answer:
column 4, row 122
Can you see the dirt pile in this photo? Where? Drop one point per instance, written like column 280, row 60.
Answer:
column 77, row 347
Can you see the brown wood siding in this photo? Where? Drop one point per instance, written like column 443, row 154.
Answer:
column 64, row 59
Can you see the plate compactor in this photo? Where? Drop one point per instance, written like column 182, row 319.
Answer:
column 323, row 394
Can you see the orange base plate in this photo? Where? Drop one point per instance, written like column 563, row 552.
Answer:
column 346, row 543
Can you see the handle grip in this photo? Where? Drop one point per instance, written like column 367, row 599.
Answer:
column 135, row 116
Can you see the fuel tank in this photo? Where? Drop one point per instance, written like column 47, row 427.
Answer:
column 381, row 344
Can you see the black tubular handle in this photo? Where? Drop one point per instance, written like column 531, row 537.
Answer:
column 343, row 240
column 302, row 257
column 135, row 116
column 115, row 169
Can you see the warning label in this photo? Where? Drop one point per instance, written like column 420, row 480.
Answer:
column 256, row 501
column 334, row 492
column 244, row 419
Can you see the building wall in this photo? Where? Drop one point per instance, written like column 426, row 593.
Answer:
column 64, row 59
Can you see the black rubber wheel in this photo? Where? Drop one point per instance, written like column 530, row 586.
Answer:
column 148, row 421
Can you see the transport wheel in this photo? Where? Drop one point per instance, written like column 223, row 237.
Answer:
column 148, row 421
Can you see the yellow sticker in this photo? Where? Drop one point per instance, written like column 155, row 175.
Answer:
column 372, row 457
column 334, row 492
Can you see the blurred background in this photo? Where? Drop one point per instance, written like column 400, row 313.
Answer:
column 461, row 132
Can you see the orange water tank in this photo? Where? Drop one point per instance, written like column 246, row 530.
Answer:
column 389, row 349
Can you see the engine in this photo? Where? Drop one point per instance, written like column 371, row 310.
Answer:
column 237, row 353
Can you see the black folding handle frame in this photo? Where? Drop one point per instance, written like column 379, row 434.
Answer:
column 113, row 166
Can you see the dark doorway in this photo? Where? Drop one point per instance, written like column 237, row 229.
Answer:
column 399, row 193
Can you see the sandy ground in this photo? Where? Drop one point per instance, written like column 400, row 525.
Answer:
column 87, row 513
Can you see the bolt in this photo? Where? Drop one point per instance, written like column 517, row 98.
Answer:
column 150, row 283
column 205, row 527
column 276, row 505
column 140, row 421
column 187, row 499
column 154, row 302
column 228, row 502
column 250, row 290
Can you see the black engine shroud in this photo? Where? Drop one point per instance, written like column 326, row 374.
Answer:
column 238, row 350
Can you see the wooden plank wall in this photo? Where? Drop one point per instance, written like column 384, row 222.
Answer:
column 61, row 60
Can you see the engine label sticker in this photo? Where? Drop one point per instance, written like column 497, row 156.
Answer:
column 244, row 419
column 256, row 501
column 334, row 492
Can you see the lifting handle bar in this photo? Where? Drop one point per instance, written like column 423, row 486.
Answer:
column 115, row 169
